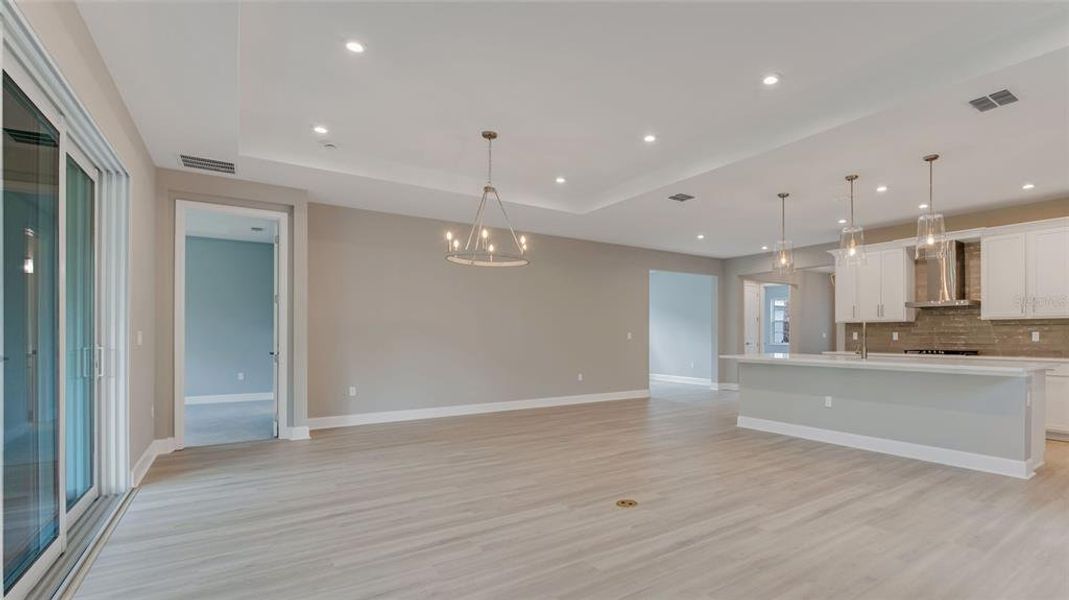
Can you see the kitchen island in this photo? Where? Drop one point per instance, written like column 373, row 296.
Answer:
column 975, row 414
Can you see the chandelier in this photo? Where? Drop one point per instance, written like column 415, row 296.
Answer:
column 479, row 249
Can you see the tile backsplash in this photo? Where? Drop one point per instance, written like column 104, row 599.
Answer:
column 962, row 328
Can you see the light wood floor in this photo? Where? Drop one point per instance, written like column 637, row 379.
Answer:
column 521, row 505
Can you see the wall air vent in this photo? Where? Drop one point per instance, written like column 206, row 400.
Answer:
column 993, row 100
column 681, row 197
column 207, row 164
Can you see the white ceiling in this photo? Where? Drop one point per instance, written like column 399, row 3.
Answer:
column 572, row 88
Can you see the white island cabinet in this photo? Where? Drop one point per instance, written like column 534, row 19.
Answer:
column 986, row 415
column 1025, row 273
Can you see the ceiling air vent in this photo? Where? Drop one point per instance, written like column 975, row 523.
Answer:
column 207, row 164
column 681, row 197
column 993, row 100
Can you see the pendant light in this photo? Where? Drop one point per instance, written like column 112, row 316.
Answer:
column 783, row 255
column 479, row 250
column 931, row 229
column 852, row 237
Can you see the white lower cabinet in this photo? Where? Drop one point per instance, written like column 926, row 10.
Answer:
column 1058, row 401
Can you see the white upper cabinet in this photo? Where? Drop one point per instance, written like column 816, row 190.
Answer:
column 876, row 290
column 1025, row 274
column 1048, row 273
column 845, row 294
column 897, row 285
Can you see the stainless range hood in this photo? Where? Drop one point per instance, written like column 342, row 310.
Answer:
column 945, row 274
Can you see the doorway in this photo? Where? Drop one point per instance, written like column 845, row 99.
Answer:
column 230, row 324
column 682, row 328
column 775, row 318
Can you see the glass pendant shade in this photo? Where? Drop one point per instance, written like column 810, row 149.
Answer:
column 479, row 249
column 783, row 257
column 783, row 252
column 852, row 245
column 931, row 229
column 852, row 237
column 931, row 235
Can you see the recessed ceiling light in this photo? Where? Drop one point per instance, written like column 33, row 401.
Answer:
column 701, row 236
column 764, row 247
column 881, row 188
column 320, row 130
column 771, row 79
column 354, row 47
column 842, row 221
column 922, row 206
column 649, row 138
column 1028, row 186
column 561, row 180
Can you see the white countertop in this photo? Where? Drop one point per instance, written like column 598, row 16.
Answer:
column 963, row 366
column 1028, row 359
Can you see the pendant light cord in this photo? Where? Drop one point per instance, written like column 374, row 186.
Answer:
column 489, row 161
column 931, row 178
column 783, row 217
column 851, row 203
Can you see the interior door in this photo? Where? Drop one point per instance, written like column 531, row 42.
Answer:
column 752, row 317
column 275, row 345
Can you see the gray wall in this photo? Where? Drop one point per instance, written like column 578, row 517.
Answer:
column 229, row 316
column 388, row 315
column 812, row 315
column 682, row 324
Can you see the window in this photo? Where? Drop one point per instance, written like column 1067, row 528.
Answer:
column 779, row 320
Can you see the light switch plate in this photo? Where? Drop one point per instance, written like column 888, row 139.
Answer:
column 894, row 336
column 352, row 391
column 628, row 335
column 241, row 376
column 827, row 401
column 855, row 335
column 579, row 377
column 1035, row 336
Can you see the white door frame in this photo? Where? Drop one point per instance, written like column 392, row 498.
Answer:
column 750, row 311
column 282, row 310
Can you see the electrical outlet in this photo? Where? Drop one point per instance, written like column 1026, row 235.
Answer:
column 152, row 411
column 894, row 336
column 1035, row 336
column 827, row 401
column 824, row 334
column 579, row 377
column 692, row 364
column 352, row 391
column 140, row 338
column 855, row 336
column 241, row 376
column 628, row 335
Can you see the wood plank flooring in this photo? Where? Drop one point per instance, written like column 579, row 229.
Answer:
column 522, row 505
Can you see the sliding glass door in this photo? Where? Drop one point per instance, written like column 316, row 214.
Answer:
column 83, row 359
column 30, row 300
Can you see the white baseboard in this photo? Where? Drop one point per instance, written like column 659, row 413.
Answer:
column 219, row 398
column 1020, row 469
column 393, row 416
column 703, row 381
column 294, row 433
column 729, row 387
column 156, row 448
